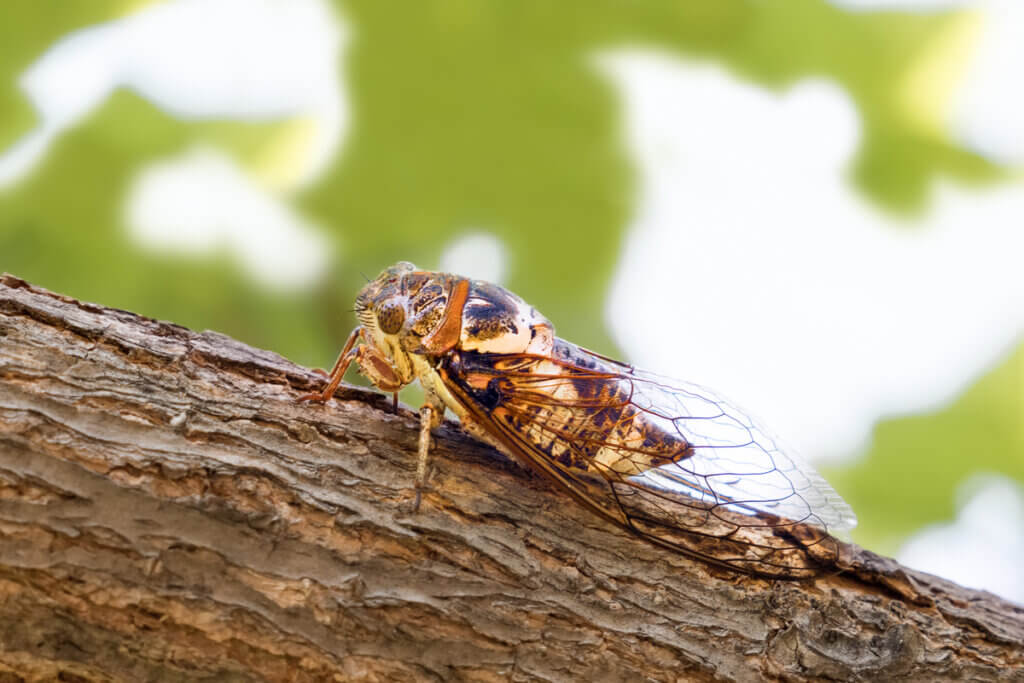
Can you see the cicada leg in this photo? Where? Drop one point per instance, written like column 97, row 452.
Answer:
column 373, row 364
column 431, row 415
column 377, row 368
column 338, row 371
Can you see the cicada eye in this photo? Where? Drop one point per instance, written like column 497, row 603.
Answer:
column 390, row 318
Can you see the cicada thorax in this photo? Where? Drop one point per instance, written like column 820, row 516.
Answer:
column 445, row 312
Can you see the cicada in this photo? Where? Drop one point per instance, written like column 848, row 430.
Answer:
column 666, row 460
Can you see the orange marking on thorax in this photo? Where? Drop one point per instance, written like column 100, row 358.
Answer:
column 446, row 335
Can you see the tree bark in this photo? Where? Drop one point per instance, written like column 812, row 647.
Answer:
column 169, row 512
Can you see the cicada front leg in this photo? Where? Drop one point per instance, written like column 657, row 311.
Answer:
column 340, row 366
column 373, row 365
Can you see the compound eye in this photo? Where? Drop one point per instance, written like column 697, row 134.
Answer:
column 390, row 318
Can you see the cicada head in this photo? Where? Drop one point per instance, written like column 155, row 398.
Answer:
column 403, row 306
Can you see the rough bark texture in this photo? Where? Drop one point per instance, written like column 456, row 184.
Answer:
column 169, row 512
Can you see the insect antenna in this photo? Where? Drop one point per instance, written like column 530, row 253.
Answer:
column 364, row 276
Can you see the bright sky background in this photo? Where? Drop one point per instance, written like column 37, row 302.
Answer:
column 753, row 266
column 987, row 111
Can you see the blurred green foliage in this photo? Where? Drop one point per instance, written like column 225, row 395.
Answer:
column 489, row 115
column 915, row 464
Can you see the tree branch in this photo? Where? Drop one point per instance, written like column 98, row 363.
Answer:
column 168, row 511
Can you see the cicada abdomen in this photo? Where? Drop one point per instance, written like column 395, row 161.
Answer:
column 667, row 460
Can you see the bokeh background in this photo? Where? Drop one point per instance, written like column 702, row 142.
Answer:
column 814, row 206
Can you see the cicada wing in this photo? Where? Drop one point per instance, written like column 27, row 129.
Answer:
column 736, row 462
column 667, row 460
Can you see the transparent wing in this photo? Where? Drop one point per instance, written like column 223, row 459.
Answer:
column 667, row 460
column 735, row 461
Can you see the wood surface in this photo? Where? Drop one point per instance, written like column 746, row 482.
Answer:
column 169, row 512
